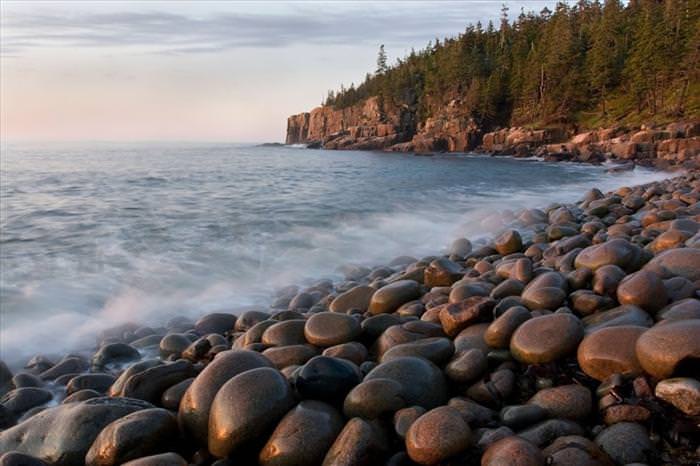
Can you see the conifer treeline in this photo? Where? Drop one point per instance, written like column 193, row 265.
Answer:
column 590, row 63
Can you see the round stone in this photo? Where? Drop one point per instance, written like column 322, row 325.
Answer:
column 422, row 381
column 621, row 315
column 303, row 436
column 358, row 297
column 373, row 398
column 683, row 262
column 681, row 392
column 360, row 443
column 247, row 407
column 437, row 435
column 670, row 348
column 610, row 351
column 62, row 435
column 287, row 332
column 500, row 331
column 436, row 349
column 195, row 406
column 644, row 289
column 353, row 351
column 330, row 328
column 405, row 417
column 508, row 243
column 292, row 355
column 545, row 292
column 617, row 251
column 135, row 435
column 547, row 338
column 565, row 402
column 217, row 322
column 174, row 344
column 467, row 366
column 625, row 443
column 326, row 378
column 390, row 297
column 512, row 451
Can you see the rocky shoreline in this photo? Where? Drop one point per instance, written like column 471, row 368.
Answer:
column 571, row 338
column 371, row 125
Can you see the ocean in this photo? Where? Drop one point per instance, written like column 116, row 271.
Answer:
column 97, row 234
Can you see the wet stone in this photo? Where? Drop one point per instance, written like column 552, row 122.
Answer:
column 437, row 435
column 547, row 338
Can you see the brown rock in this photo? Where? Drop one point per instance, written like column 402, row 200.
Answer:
column 508, row 243
column 681, row 392
column 303, row 436
column 246, row 408
column 644, row 289
column 330, row 328
column 437, row 435
column 360, row 443
column 512, row 451
column 625, row 413
column 390, row 297
column 547, row 338
column 684, row 262
column 500, row 331
column 565, row 402
column 358, row 297
column 669, row 348
column 610, row 351
column 455, row 317
column 195, row 406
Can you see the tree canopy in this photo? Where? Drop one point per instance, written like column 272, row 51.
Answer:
column 588, row 63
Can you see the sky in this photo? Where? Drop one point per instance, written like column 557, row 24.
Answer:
column 200, row 71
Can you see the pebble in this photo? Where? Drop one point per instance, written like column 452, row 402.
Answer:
column 422, row 382
column 457, row 316
column 194, row 410
column 135, row 435
column 512, row 451
column 374, row 398
column 331, row 328
column 610, row 351
column 437, row 435
column 666, row 348
column 625, row 443
column 681, row 392
column 246, row 407
column 357, row 297
column 390, row 297
column 547, row 338
column 360, row 443
column 644, row 289
column 303, row 436
column 325, row 378
column 564, row 402
column 500, row 331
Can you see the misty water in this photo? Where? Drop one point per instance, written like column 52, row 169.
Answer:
column 93, row 235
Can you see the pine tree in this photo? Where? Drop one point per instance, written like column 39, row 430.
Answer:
column 381, row 61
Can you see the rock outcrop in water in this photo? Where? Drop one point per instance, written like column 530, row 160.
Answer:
column 573, row 337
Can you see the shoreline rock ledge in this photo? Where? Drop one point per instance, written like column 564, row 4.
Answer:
column 570, row 338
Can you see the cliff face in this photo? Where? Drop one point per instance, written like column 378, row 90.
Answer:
column 372, row 125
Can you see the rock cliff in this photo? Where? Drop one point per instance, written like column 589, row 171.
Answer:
column 374, row 125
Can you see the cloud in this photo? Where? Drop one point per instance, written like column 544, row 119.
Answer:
column 402, row 24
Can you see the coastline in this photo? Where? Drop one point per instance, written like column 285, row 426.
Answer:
column 455, row 339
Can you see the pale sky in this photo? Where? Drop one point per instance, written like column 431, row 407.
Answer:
column 215, row 71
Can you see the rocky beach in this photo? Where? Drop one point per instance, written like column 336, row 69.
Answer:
column 571, row 337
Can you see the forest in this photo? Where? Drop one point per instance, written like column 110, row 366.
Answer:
column 585, row 65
